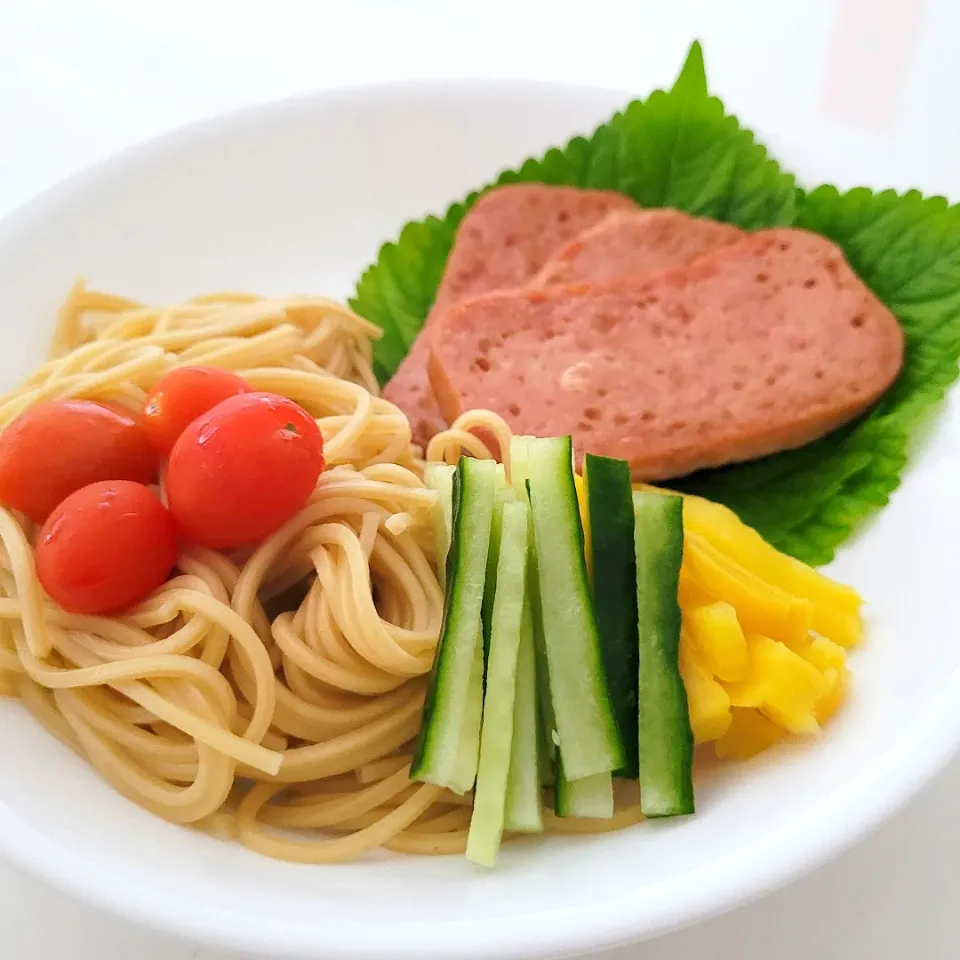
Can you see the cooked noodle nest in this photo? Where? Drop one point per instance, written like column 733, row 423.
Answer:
column 269, row 695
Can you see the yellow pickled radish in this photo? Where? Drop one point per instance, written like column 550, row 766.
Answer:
column 835, row 606
column 715, row 633
column 750, row 733
column 846, row 628
column 782, row 685
column 831, row 660
column 760, row 607
column 824, row 654
column 690, row 595
column 829, row 702
column 707, row 701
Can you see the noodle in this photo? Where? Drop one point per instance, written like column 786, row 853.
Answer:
column 196, row 704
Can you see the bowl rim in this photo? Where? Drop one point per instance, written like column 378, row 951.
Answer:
column 839, row 820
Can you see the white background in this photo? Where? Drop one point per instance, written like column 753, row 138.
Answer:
column 874, row 83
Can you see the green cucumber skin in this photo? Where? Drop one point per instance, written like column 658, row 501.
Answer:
column 450, row 562
column 502, row 495
column 665, row 751
column 496, row 739
column 609, row 488
column 490, row 585
column 589, row 741
column 448, row 689
column 546, row 748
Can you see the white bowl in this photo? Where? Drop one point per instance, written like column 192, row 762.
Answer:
column 297, row 197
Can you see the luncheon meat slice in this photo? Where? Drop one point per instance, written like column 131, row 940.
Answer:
column 635, row 242
column 764, row 345
column 502, row 241
column 510, row 232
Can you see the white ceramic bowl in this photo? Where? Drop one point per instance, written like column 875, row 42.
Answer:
column 298, row 197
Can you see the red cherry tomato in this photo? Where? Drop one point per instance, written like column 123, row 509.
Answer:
column 181, row 396
column 242, row 470
column 58, row 447
column 106, row 547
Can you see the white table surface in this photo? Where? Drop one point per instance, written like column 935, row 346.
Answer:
column 879, row 78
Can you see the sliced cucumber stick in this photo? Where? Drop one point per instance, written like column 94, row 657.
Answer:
column 502, row 493
column 490, row 797
column 447, row 746
column 588, row 739
column 546, row 747
column 609, row 497
column 665, row 739
column 439, row 477
column 524, row 812
column 465, row 771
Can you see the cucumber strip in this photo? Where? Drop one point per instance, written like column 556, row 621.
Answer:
column 546, row 747
column 496, row 737
column 439, row 477
column 609, row 497
column 665, row 738
column 588, row 739
column 587, row 797
column 447, row 745
column 546, row 725
column 501, row 495
column 523, row 812
column 465, row 772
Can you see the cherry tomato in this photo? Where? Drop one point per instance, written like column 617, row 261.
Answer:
column 58, row 447
column 181, row 396
column 240, row 471
column 106, row 547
